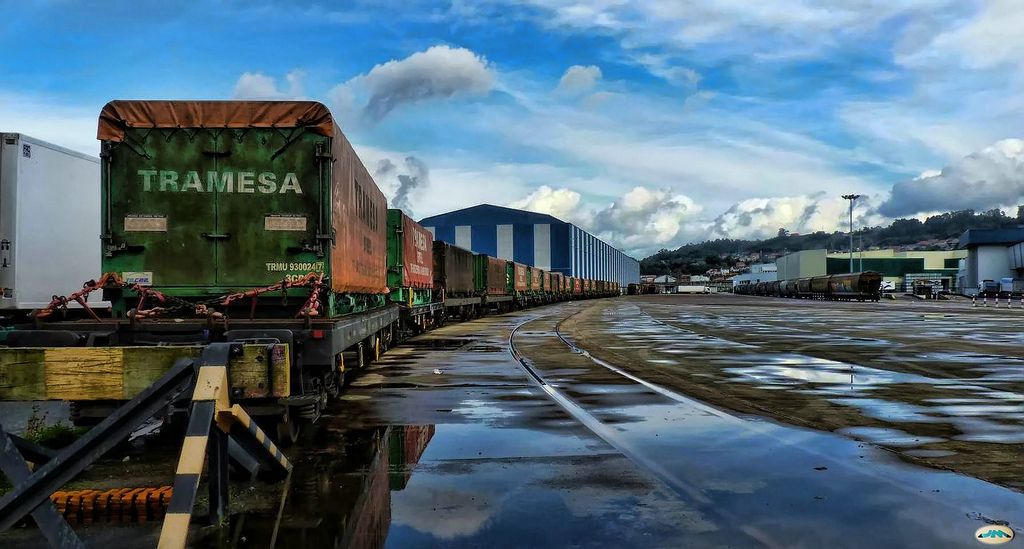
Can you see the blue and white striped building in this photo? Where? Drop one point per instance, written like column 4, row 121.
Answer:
column 535, row 239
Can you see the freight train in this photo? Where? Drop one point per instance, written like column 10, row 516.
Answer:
column 862, row 286
column 255, row 222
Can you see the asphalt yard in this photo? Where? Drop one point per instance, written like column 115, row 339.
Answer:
column 660, row 421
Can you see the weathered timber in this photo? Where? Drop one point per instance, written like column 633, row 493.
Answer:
column 120, row 373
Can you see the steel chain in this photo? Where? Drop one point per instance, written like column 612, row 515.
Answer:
column 169, row 304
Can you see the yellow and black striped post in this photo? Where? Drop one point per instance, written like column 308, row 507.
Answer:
column 273, row 463
column 212, row 420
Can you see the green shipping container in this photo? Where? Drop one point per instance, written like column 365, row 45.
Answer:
column 203, row 198
column 490, row 275
column 410, row 260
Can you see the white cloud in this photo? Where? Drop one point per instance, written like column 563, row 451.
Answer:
column 644, row 220
column 665, row 68
column 640, row 221
column 256, row 85
column 991, row 38
column 598, row 99
column 437, row 73
column 755, row 218
column 579, row 79
column 766, row 27
column 457, row 180
column 924, row 129
column 992, row 177
column 561, row 203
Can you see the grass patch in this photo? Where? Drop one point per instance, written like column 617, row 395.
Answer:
column 54, row 436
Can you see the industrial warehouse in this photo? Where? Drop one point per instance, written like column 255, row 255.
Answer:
column 545, row 275
column 533, row 238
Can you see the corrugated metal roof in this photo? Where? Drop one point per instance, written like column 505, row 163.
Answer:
column 972, row 238
column 486, row 213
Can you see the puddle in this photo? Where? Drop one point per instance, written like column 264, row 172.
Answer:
column 437, row 343
column 929, row 453
column 888, row 437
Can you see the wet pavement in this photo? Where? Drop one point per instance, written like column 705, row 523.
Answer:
column 894, row 374
column 657, row 422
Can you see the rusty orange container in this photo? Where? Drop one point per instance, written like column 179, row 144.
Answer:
column 520, row 280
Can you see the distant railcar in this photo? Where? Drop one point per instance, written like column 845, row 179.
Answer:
column 860, row 286
column 803, row 287
column 453, row 270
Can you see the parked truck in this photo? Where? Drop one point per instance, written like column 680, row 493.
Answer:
column 693, row 289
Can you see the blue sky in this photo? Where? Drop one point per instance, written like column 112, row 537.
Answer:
column 651, row 123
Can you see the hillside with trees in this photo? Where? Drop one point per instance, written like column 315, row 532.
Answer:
column 938, row 232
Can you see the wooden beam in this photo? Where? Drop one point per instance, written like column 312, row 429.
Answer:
column 120, row 373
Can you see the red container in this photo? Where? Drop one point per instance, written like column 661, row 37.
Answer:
column 497, row 274
column 359, row 210
column 578, row 286
column 547, row 281
column 520, row 283
column 536, row 275
column 417, row 255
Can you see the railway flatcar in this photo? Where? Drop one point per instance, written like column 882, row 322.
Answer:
column 255, row 223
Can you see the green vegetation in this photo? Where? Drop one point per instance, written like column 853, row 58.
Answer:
column 54, row 436
column 721, row 253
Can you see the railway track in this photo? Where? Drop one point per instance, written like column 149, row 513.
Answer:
column 612, row 435
column 693, row 448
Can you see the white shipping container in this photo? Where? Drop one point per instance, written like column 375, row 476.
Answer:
column 1011, row 285
column 693, row 289
column 49, row 222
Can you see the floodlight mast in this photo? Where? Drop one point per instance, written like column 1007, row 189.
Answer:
column 852, row 198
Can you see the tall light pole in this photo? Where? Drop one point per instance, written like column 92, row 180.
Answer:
column 851, row 198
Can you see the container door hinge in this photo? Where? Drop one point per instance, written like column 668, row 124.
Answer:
column 5, row 253
column 122, row 247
